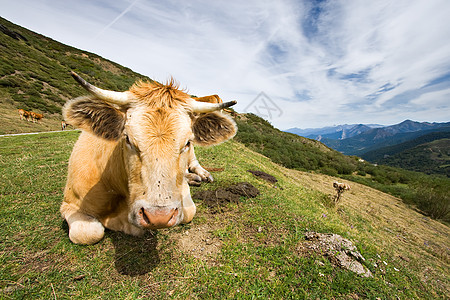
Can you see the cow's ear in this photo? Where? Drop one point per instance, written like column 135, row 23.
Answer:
column 213, row 128
column 96, row 116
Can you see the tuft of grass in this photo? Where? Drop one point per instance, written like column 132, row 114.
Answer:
column 248, row 250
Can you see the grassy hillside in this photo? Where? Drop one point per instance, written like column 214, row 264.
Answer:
column 432, row 157
column 253, row 248
column 378, row 154
column 428, row 154
column 35, row 71
column 428, row 193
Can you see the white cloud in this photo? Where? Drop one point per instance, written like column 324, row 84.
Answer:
column 339, row 62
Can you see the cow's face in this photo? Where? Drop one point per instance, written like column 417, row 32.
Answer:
column 156, row 130
column 158, row 143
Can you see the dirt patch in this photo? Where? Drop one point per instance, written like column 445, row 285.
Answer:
column 220, row 197
column 200, row 243
column 339, row 251
column 264, row 176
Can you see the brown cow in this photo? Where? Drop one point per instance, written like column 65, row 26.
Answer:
column 127, row 171
column 214, row 99
column 209, row 99
column 340, row 188
column 36, row 117
column 23, row 114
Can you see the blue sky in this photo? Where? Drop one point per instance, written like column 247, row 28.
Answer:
column 320, row 62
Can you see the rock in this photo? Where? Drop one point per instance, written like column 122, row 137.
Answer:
column 339, row 251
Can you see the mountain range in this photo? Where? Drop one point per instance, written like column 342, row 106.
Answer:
column 389, row 145
column 337, row 132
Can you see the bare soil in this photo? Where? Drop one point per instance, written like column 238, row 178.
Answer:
column 264, row 176
column 217, row 199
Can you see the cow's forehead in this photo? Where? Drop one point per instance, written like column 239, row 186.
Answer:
column 162, row 126
column 157, row 95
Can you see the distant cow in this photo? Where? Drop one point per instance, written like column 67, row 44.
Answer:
column 23, row 114
column 341, row 186
column 340, row 189
column 36, row 117
column 128, row 169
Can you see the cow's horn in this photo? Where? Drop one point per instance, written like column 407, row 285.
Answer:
column 109, row 96
column 205, row 107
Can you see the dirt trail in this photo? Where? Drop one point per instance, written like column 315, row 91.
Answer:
column 31, row 133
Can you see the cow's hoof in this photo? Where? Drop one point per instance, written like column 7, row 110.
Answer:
column 193, row 179
column 209, row 178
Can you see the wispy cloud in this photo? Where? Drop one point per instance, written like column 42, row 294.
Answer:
column 117, row 18
column 322, row 62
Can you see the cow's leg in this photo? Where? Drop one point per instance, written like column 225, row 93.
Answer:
column 119, row 222
column 189, row 207
column 83, row 229
column 195, row 168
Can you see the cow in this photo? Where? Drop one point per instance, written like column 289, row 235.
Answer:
column 209, row 99
column 36, row 117
column 23, row 114
column 340, row 188
column 214, row 99
column 128, row 170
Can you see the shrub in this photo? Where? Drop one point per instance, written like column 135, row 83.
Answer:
column 361, row 173
column 433, row 199
column 329, row 171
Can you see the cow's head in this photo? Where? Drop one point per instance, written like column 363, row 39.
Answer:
column 156, row 126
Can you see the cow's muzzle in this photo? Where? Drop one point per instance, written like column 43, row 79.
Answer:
column 158, row 218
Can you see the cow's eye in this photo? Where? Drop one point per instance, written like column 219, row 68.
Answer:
column 129, row 144
column 186, row 147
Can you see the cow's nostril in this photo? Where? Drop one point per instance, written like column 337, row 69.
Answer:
column 144, row 216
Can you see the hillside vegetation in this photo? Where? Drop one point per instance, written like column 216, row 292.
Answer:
column 429, row 154
column 428, row 193
column 432, row 157
column 252, row 248
column 35, row 71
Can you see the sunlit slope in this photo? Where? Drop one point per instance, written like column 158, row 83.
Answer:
column 244, row 249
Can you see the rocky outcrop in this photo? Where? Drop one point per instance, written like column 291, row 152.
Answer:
column 339, row 251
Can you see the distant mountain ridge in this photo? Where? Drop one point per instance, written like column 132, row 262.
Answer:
column 359, row 139
column 333, row 132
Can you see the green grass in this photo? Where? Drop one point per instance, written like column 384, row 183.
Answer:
column 254, row 253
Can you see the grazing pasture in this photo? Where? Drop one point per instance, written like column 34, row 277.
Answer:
column 249, row 248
